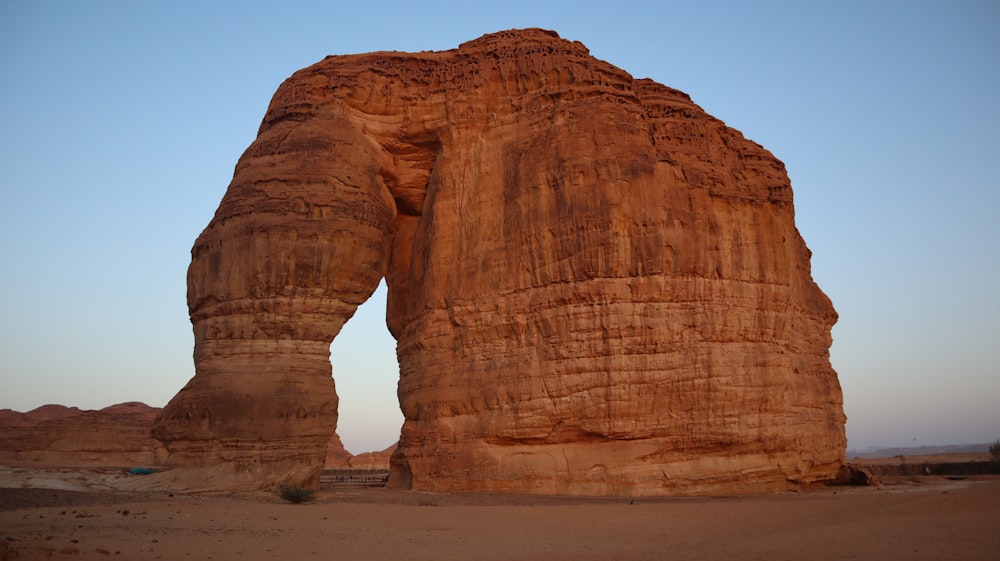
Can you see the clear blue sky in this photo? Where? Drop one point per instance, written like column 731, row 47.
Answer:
column 122, row 121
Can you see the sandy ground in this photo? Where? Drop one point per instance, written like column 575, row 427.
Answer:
column 79, row 514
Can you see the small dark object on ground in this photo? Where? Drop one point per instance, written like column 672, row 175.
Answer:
column 140, row 471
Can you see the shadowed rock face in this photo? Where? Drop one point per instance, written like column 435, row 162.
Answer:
column 54, row 435
column 596, row 287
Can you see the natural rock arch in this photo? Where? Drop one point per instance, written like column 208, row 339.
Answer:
column 595, row 287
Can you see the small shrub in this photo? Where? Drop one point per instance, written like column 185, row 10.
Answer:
column 295, row 494
column 995, row 452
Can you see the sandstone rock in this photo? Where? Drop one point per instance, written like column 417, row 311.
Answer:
column 54, row 435
column 373, row 460
column 596, row 287
column 855, row 474
column 336, row 455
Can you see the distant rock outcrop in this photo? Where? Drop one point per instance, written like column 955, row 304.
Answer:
column 66, row 436
column 373, row 460
column 336, row 455
column 119, row 435
column 596, row 287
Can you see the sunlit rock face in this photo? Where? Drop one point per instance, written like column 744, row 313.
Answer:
column 596, row 287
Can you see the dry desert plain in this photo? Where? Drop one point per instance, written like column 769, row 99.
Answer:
column 83, row 514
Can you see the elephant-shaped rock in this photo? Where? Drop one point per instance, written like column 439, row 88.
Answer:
column 596, row 288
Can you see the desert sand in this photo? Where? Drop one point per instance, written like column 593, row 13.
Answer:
column 84, row 514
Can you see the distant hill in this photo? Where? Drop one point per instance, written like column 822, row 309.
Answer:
column 67, row 436
column 119, row 435
column 874, row 452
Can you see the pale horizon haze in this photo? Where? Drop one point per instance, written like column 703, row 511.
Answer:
column 122, row 123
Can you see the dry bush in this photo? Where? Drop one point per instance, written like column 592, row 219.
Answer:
column 295, row 494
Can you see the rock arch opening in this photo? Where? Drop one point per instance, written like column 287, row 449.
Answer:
column 365, row 371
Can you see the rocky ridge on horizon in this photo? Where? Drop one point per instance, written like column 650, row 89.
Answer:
column 56, row 435
column 921, row 450
column 119, row 435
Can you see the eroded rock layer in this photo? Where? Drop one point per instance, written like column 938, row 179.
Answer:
column 596, row 287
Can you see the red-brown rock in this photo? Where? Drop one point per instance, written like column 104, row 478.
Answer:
column 596, row 287
column 373, row 460
column 337, row 457
column 54, row 435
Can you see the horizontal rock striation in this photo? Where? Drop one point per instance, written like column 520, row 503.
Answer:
column 596, row 287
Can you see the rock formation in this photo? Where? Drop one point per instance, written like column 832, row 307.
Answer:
column 53, row 435
column 595, row 287
column 336, row 455
column 116, row 436
column 373, row 460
